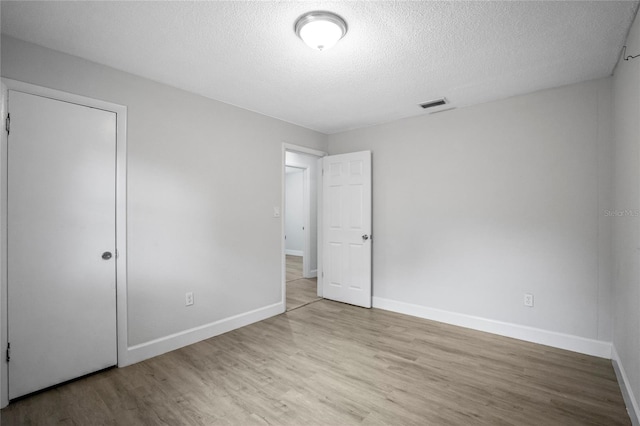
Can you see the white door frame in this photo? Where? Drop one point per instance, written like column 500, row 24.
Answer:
column 287, row 147
column 121, row 217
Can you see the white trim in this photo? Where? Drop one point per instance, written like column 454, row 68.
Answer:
column 291, row 252
column 302, row 149
column 283, row 236
column 175, row 341
column 4, row 367
column 313, row 273
column 121, row 213
column 633, row 408
column 283, row 267
column 530, row 334
column 319, row 260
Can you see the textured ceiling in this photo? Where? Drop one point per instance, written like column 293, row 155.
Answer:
column 395, row 55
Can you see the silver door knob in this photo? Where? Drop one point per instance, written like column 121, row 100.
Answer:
column 106, row 255
column 365, row 237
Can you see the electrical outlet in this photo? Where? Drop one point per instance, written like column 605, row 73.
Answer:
column 528, row 300
column 188, row 299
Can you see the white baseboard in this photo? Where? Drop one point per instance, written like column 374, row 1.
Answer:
column 633, row 408
column 530, row 334
column 313, row 273
column 169, row 343
column 294, row 252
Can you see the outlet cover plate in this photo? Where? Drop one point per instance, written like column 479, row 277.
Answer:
column 528, row 300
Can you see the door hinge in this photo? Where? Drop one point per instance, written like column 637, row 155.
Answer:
column 322, row 172
column 8, row 352
column 7, row 123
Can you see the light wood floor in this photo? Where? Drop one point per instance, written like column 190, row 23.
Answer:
column 294, row 267
column 329, row 363
column 300, row 291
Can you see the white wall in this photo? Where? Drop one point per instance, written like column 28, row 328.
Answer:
column 311, row 162
column 626, row 223
column 294, row 211
column 475, row 207
column 194, row 224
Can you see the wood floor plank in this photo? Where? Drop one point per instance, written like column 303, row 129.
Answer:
column 328, row 363
column 294, row 267
column 300, row 291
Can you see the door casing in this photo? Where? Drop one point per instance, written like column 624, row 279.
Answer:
column 121, row 217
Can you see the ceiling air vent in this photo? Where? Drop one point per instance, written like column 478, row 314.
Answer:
column 434, row 103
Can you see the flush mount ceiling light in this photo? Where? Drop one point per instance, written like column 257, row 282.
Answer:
column 320, row 30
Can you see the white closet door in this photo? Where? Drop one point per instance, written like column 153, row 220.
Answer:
column 61, row 241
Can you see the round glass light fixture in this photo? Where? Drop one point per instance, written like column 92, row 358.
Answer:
column 320, row 30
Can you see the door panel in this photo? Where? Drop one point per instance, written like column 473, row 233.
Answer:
column 60, row 219
column 347, row 229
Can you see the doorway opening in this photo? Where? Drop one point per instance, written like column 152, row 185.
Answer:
column 300, row 226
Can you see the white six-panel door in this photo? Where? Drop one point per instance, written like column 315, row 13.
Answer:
column 61, row 241
column 346, row 238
